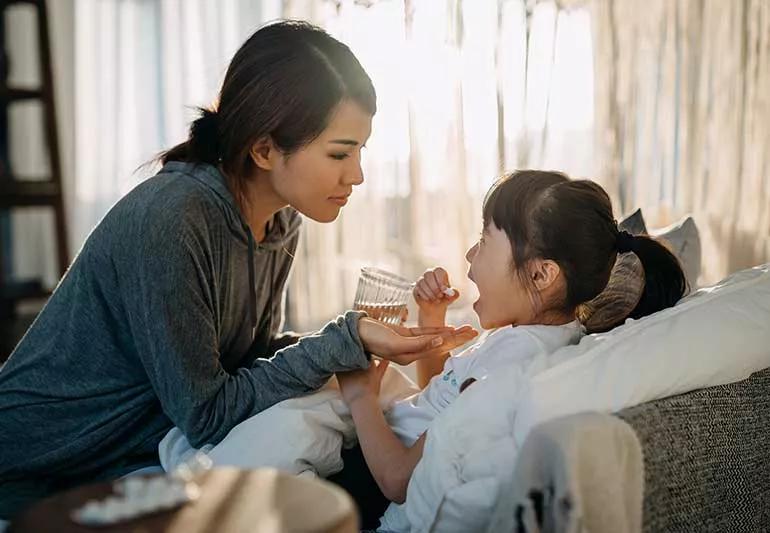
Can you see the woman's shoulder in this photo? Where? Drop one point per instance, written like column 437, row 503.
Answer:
column 183, row 189
column 166, row 213
column 176, row 199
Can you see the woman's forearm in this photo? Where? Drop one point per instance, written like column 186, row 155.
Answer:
column 390, row 462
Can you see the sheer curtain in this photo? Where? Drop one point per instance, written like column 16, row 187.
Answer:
column 141, row 67
column 683, row 107
column 466, row 90
column 665, row 102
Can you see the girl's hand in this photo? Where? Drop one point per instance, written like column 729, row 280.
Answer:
column 432, row 294
column 404, row 345
column 358, row 384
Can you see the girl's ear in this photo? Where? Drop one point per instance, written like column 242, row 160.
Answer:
column 544, row 272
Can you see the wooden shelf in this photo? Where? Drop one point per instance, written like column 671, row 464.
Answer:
column 6, row 3
column 17, row 193
column 11, row 94
column 31, row 289
column 26, row 191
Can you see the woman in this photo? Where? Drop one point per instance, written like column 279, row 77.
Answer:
column 171, row 310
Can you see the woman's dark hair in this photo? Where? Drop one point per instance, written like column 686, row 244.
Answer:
column 546, row 215
column 285, row 81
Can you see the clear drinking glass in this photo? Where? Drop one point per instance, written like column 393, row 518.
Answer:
column 382, row 295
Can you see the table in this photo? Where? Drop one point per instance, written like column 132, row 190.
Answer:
column 231, row 501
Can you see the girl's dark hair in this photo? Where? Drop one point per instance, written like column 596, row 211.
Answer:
column 548, row 216
column 285, row 81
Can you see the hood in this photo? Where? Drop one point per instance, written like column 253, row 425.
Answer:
column 283, row 226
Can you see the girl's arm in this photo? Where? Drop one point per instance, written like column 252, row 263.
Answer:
column 390, row 462
column 433, row 295
column 430, row 366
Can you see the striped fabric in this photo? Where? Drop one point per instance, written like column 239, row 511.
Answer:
column 707, row 458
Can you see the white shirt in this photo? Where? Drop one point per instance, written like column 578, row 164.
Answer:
column 501, row 348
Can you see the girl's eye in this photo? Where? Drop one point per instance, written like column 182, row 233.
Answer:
column 339, row 157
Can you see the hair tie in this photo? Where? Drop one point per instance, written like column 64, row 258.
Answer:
column 625, row 242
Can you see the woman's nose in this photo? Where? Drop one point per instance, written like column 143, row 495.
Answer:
column 355, row 175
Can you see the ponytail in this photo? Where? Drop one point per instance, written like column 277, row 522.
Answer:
column 203, row 144
column 646, row 278
column 664, row 279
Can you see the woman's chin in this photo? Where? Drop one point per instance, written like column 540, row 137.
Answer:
column 328, row 218
column 324, row 216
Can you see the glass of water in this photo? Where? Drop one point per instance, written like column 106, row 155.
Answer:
column 383, row 295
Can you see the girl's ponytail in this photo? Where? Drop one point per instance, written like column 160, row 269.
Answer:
column 664, row 279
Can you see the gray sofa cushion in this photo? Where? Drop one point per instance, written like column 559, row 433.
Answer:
column 634, row 223
column 707, row 458
column 683, row 238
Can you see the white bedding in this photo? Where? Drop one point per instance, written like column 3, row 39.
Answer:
column 301, row 435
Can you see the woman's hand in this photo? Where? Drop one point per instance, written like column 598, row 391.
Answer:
column 404, row 345
column 432, row 294
column 358, row 384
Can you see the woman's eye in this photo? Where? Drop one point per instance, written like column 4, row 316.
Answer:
column 340, row 157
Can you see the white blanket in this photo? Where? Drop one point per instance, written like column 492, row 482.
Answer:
column 301, row 435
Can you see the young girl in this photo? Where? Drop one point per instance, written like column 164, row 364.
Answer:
column 548, row 245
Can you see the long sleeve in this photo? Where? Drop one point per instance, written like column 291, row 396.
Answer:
column 174, row 324
column 284, row 339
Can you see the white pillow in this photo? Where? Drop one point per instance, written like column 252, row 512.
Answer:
column 717, row 335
